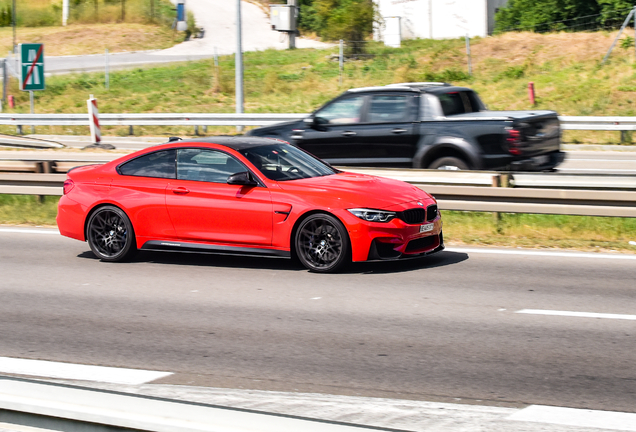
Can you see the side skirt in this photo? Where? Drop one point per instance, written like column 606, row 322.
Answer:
column 179, row 246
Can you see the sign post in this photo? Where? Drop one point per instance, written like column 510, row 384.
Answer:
column 31, row 70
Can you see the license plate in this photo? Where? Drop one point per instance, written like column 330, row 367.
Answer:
column 427, row 227
column 541, row 160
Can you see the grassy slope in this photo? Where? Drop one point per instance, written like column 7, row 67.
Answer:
column 564, row 67
column 92, row 38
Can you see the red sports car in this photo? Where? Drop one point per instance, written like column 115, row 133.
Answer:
column 245, row 195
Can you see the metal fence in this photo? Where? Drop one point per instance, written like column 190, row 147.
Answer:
column 225, row 119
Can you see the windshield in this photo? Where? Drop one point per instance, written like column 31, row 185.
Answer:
column 282, row 162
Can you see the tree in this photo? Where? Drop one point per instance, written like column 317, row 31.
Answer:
column 351, row 20
column 543, row 15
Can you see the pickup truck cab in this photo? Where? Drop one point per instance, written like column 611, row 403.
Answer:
column 424, row 125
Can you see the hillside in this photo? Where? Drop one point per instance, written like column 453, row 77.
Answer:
column 565, row 68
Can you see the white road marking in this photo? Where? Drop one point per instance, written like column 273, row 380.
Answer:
column 41, row 368
column 543, row 253
column 449, row 249
column 603, row 170
column 577, row 314
column 30, row 231
column 618, row 421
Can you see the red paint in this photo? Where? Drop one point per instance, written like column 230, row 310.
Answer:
column 244, row 216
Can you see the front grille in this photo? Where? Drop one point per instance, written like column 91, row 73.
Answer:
column 413, row 216
column 422, row 243
column 431, row 213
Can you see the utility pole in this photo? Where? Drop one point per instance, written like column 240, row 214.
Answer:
column 293, row 11
column 13, row 18
column 239, row 63
column 65, row 8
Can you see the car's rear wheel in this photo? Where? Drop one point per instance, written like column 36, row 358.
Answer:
column 449, row 163
column 322, row 244
column 110, row 234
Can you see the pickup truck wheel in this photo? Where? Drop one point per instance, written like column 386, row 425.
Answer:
column 448, row 163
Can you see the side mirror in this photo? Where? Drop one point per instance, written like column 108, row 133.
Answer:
column 242, row 178
column 309, row 122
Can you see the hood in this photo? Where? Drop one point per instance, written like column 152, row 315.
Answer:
column 357, row 190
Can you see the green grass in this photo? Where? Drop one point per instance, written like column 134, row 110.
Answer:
column 27, row 210
column 472, row 228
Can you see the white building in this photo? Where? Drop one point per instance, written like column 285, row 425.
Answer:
column 436, row 19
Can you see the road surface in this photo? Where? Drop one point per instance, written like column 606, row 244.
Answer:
column 505, row 329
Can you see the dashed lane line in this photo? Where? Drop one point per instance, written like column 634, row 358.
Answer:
column 577, row 314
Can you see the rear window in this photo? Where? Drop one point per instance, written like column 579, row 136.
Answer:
column 159, row 164
column 460, row 102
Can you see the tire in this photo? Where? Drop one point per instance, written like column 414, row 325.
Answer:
column 322, row 244
column 110, row 234
column 448, row 163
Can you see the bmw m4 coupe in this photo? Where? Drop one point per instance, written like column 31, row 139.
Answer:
column 246, row 195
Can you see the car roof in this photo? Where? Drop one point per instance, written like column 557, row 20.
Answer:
column 420, row 87
column 233, row 142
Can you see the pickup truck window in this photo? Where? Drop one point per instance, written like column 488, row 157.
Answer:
column 341, row 111
column 460, row 102
column 389, row 109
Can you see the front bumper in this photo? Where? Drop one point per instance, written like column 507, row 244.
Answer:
column 393, row 240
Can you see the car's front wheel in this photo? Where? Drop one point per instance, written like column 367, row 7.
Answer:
column 322, row 244
column 110, row 234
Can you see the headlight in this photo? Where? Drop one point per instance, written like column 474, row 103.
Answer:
column 371, row 215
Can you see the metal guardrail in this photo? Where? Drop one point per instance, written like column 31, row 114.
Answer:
column 152, row 119
column 227, row 119
column 463, row 191
column 27, row 404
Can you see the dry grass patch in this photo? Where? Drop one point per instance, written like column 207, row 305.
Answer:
column 92, row 38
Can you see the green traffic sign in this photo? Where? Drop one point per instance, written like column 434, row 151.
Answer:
column 31, row 67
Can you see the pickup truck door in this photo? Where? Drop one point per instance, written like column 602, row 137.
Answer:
column 390, row 134
column 334, row 133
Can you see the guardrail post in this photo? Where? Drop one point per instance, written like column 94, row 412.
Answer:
column 130, row 130
column 196, row 130
column 626, row 137
column 19, row 129
column 496, row 182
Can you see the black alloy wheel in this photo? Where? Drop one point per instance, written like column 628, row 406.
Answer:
column 322, row 244
column 110, row 234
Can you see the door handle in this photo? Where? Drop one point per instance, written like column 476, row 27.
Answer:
column 398, row 131
column 180, row 191
column 349, row 133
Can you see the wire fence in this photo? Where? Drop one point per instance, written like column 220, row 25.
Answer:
column 609, row 20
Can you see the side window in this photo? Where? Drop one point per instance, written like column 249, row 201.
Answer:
column 206, row 165
column 458, row 103
column 389, row 109
column 342, row 111
column 159, row 164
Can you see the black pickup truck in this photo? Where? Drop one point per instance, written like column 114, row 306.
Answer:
column 424, row 125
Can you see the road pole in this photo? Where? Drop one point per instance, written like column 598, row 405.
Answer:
column 65, row 8
column 32, row 110
column 292, row 34
column 341, row 61
column 470, row 66
column 107, row 81
column 14, row 13
column 239, row 64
